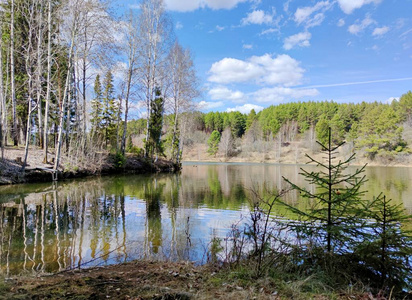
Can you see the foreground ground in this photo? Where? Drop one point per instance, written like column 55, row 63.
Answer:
column 158, row 280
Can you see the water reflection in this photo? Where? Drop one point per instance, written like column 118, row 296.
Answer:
column 52, row 227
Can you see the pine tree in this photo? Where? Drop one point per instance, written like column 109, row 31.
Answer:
column 251, row 117
column 154, row 143
column 387, row 247
column 322, row 130
column 331, row 222
column 213, row 143
column 109, row 109
column 97, row 106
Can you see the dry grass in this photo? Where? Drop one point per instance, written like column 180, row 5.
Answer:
column 136, row 280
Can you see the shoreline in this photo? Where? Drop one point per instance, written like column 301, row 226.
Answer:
column 291, row 155
column 36, row 171
column 256, row 162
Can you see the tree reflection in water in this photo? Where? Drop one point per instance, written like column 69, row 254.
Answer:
column 50, row 227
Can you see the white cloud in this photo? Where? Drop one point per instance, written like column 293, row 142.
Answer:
column 203, row 105
column 341, row 23
column 405, row 33
column 303, row 14
column 191, row 5
column 348, row 6
column 361, row 26
column 179, row 25
column 280, row 94
column 315, row 21
column 281, row 70
column 183, row 5
column 286, row 6
column 221, row 4
column 258, row 17
column 219, row 28
column 223, row 93
column 247, row 46
column 269, row 31
column 245, row 109
column 300, row 39
column 379, row 31
column 391, row 99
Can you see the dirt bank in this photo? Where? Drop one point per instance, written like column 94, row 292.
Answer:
column 292, row 153
column 104, row 163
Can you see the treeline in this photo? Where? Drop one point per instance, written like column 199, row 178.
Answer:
column 379, row 129
column 71, row 71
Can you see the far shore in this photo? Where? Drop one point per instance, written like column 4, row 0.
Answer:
column 289, row 156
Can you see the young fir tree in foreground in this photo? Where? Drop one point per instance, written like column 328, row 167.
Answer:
column 342, row 233
column 386, row 250
column 332, row 220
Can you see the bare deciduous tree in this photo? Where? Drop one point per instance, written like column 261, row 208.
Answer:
column 3, row 107
column 73, row 22
column 131, row 50
column 226, row 145
column 154, row 38
column 48, row 89
column 182, row 89
column 12, row 80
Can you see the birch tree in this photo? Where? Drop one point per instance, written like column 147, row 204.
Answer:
column 182, row 89
column 39, row 71
column 3, row 119
column 12, row 78
column 155, row 35
column 48, row 88
column 72, row 22
column 131, row 50
column 30, row 15
column 93, row 47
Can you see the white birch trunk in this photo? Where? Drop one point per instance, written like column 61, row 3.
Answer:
column 12, row 82
column 49, row 63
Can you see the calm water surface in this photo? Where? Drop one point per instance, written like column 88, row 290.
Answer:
column 99, row 221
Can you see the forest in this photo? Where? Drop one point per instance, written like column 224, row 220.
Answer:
column 72, row 71
column 379, row 131
column 74, row 75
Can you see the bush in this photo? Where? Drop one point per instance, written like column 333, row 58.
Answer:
column 119, row 160
column 136, row 150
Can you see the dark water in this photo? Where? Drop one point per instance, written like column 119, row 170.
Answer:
column 53, row 227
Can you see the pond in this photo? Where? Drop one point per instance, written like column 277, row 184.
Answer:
column 48, row 228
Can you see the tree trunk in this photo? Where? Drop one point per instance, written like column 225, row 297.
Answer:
column 84, row 84
column 12, row 82
column 119, row 117
column 29, row 64
column 126, row 105
column 2, row 101
column 39, row 74
column 46, row 109
column 63, row 104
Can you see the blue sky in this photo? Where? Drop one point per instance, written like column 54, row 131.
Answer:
column 257, row 53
